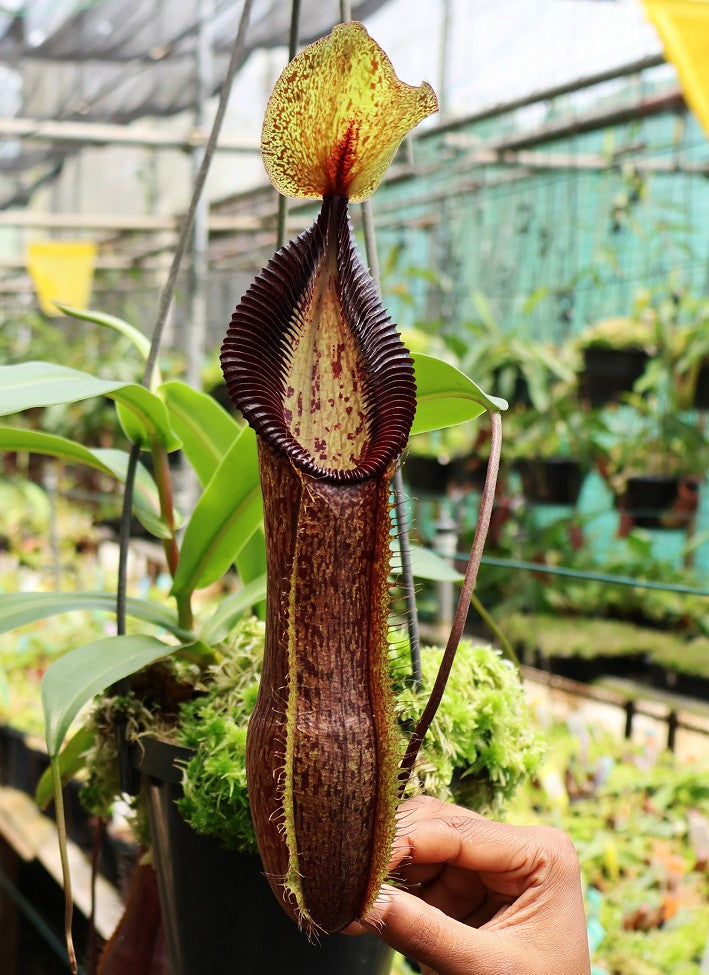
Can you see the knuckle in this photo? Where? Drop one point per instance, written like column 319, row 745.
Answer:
column 464, row 826
column 559, row 849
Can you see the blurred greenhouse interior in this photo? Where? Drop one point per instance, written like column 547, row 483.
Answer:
column 546, row 228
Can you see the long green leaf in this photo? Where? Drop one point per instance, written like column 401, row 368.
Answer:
column 205, row 428
column 251, row 560
column 445, row 396
column 72, row 680
column 225, row 518
column 21, row 608
column 71, row 760
column 231, row 608
column 146, row 490
column 31, row 384
column 426, row 564
column 136, row 337
column 108, row 460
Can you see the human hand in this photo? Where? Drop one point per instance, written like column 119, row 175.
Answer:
column 481, row 898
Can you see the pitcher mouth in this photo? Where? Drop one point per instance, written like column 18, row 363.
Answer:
column 313, row 361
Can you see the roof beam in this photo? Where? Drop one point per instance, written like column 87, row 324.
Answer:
column 115, row 222
column 103, row 134
column 477, row 155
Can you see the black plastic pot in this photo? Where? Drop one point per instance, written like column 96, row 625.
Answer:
column 551, row 480
column 219, row 914
column 685, row 685
column 22, row 766
column 467, row 473
column 588, row 669
column 425, row 474
column 13, row 757
column 701, row 390
column 608, row 373
column 656, row 501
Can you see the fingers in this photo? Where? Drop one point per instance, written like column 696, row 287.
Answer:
column 435, row 940
column 434, row 833
column 490, row 897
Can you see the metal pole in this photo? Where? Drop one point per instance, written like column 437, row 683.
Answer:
column 407, row 577
column 196, row 325
column 282, row 217
column 443, row 59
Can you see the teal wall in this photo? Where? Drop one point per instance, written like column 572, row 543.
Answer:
column 552, row 250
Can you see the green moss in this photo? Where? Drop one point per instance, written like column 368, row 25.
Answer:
column 481, row 743
column 479, row 748
column 215, row 797
column 684, row 656
column 573, row 636
column 577, row 636
column 622, row 332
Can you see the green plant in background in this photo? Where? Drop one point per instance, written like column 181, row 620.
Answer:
column 689, row 347
column 510, row 362
column 629, row 811
column 650, row 437
column 621, row 332
column 562, row 430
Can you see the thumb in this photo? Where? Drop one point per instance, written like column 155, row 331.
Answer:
column 432, row 938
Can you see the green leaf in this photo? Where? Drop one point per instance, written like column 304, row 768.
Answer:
column 445, row 396
column 21, row 608
column 31, row 384
column 71, row 760
column 231, row 608
column 115, row 462
column 206, row 430
column 226, row 516
column 251, row 560
column 71, row 681
column 136, row 337
column 426, row 564
column 251, row 564
column 146, row 498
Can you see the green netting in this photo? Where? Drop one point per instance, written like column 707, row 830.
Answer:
column 556, row 239
column 555, row 249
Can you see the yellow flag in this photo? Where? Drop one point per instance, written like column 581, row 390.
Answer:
column 683, row 26
column 62, row 270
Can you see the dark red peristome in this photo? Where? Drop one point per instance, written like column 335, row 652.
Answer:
column 264, row 328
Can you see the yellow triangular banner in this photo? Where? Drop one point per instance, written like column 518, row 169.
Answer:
column 683, row 26
column 62, row 270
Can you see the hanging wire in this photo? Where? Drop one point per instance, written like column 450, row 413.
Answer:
column 165, row 302
column 292, row 48
column 587, row 576
column 407, row 575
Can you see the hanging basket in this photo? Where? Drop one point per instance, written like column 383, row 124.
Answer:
column 608, row 373
column 425, row 474
column 551, row 480
column 218, row 912
column 701, row 390
column 655, row 501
